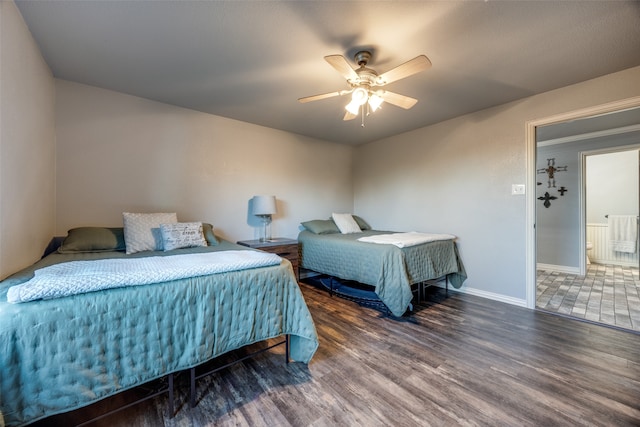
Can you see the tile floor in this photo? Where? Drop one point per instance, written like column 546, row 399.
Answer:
column 608, row 294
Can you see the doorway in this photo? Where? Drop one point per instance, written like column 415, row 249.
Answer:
column 612, row 194
column 605, row 288
column 576, row 262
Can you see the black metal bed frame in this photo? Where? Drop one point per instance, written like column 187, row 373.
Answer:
column 193, row 377
column 169, row 378
column 153, row 393
column 373, row 302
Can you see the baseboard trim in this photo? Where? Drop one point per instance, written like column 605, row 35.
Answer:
column 489, row 295
column 610, row 262
column 558, row 268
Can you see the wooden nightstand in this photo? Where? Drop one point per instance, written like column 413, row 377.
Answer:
column 286, row 248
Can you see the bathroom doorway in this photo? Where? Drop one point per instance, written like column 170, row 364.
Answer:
column 597, row 177
column 612, row 193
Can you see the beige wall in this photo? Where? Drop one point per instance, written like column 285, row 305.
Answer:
column 456, row 176
column 118, row 153
column 27, row 145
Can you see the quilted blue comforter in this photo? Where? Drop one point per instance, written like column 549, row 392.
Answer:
column 391, row 270
column 61, row 354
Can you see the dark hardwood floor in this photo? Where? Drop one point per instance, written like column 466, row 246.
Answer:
column 457, row 360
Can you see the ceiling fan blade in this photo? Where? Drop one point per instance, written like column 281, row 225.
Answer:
column 409, row 68
column 342, row 66
column 349, row 116
column 321, row 96
column 398, row 100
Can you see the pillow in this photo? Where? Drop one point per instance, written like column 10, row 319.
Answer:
column 209, row 236
column 93, row 239
column 321, row 226
column 182, row 235
column 361, row 223
column 346, row 223
column 142, row 230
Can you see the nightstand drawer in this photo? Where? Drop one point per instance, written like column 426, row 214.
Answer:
column 285, row 248
column 289, row 252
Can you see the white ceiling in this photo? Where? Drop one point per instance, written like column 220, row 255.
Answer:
column 252, row 60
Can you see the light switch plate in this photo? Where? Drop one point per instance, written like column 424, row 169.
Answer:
column 517, row 189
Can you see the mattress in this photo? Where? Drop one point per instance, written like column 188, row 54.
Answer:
column 61, row 354
column 391, row 270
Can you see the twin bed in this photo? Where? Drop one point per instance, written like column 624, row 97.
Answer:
column 64, row 353
column 390, row 270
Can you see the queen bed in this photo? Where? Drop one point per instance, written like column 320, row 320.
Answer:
column 62, row 353
column 390, row 270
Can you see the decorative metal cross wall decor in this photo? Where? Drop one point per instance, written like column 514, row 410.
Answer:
column 551, row 170
column 547, row 197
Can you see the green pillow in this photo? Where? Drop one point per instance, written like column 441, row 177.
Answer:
column 93, row 239
column 211, row 238
column 361, row 223
column 321, row 226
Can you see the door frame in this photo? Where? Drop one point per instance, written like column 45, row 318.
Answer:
column 530, row 215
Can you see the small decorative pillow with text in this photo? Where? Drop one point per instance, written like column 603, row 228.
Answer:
column 346, row 223
column 182, row 235
column 142, row 230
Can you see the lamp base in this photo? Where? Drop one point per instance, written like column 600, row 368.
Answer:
column 266, row 228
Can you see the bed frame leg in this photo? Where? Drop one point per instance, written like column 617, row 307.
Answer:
column 192, row 393
column 171, row 408
column 286, row 348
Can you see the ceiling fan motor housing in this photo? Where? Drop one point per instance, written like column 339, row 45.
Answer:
column 362, row 57
column 367, row 77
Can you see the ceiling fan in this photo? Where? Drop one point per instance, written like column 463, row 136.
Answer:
column 366, row 84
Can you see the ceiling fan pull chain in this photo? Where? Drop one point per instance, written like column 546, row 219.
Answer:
column 362, row 116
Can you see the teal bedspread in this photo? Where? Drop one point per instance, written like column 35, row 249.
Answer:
column 61, row 354
column 391, row 270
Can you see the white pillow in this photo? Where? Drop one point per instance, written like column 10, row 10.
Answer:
column 346, row 224
column 182, row 235
column 142, row 230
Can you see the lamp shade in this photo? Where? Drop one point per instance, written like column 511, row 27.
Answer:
column 264, row 205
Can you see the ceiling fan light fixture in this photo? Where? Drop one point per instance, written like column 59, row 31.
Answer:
column 353, row 107
column 359, row 96
column 375, row 102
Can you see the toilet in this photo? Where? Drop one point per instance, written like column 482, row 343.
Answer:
column 589, row 247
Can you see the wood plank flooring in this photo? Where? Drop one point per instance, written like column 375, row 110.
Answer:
column 457, row 360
